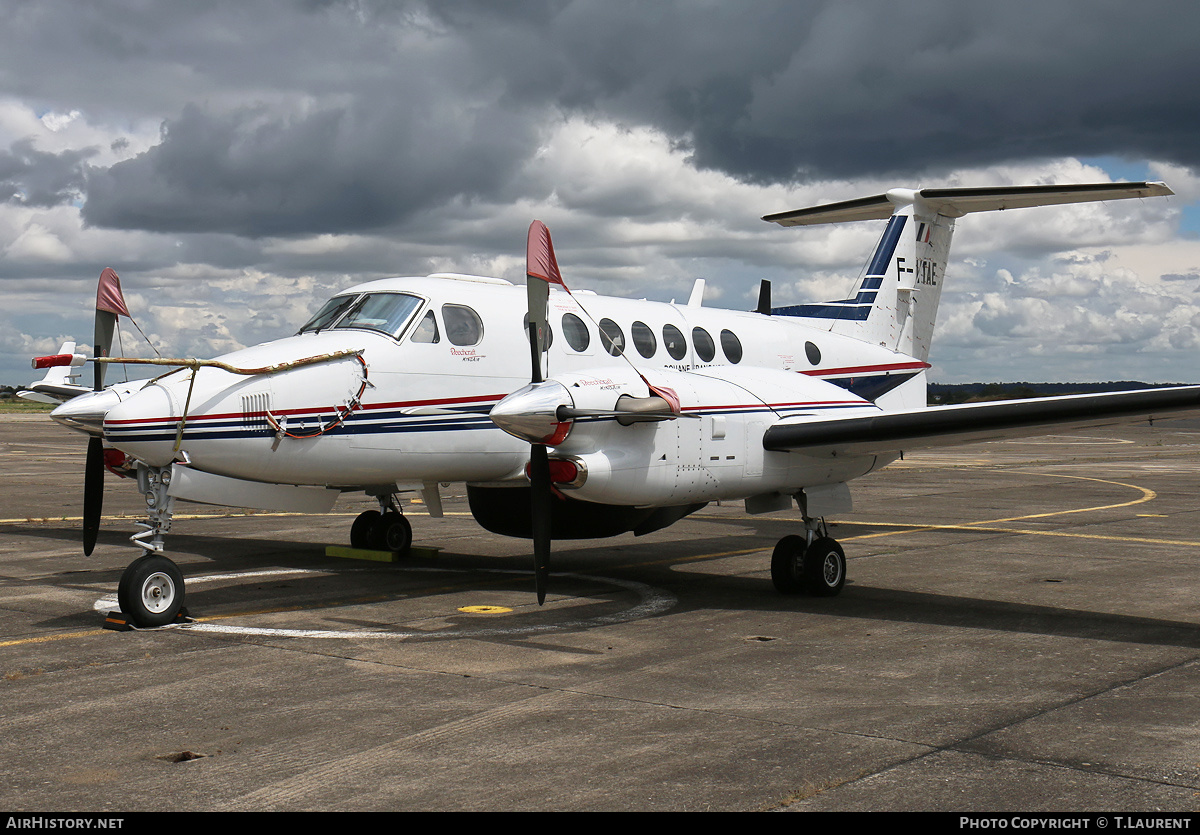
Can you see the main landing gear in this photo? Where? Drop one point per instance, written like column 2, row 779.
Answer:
column 814, row 563
column 386, row 529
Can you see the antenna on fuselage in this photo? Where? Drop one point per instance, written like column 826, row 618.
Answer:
column 764, row 298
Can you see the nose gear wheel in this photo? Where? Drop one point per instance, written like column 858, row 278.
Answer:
column 151, row 591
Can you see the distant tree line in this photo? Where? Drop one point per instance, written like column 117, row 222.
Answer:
column 943, row 394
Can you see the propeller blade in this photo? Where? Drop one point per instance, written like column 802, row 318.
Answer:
column 541, row 270
column 110, row 303
column 541, row 500
column 102, row 344
column 93, row 493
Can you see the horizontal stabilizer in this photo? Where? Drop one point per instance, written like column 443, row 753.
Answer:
column 972, row 422
column 57, row 385
column 956, row 202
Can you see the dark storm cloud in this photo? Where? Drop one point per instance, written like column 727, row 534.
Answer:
column 292, row 118
column 775, row 91
column 339, row 169
column 30, row 177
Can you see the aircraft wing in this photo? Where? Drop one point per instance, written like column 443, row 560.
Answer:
column 53, row 392
column 968, row 423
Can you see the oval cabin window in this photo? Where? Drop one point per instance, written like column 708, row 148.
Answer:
column 575, row 332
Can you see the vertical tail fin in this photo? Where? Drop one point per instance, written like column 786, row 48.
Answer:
column 896, row 300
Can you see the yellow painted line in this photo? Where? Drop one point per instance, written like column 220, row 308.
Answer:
column 974, row 526
column 485, row 610
column 1147, row 495
column 41, row 639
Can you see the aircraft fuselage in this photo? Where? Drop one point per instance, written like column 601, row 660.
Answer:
column 461, row 348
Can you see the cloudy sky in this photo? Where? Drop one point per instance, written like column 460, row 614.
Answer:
column 238, row 162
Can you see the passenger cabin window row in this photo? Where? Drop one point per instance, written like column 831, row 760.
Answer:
column 645, row 341
column 391, row 313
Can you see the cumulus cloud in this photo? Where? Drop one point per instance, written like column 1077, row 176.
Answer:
column 1087, row 314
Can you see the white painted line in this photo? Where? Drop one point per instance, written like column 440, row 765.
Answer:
column 651, row 602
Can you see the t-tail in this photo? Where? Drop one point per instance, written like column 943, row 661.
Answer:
column 895, row 303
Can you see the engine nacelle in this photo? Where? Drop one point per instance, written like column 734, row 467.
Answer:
column 508, row 511
column 711, row 449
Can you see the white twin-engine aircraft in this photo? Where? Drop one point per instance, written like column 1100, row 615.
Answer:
column 638, row 414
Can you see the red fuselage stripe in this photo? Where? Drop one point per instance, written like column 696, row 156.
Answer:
column 866, row 369
column 318, row 410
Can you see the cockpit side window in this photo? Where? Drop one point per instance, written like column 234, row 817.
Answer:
column 384, row 312
column 463, row 325
column 426, row 330
column 329, row 313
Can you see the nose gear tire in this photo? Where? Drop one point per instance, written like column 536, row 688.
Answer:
column 151, row 591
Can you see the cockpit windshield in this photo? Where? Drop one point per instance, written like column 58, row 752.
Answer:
column 329, row 313
column 384, row 312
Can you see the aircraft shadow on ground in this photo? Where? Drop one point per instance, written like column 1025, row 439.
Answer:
column 642, row 561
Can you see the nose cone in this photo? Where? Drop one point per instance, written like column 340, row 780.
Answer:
column 531, row 413
column 86, row 412
column 144, row 426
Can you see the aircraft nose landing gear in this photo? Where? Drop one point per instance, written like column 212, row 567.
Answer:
column 151, row 590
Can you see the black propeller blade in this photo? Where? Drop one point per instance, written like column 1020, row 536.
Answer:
column 541, row 501
column 93, row 493
column 110, row 303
